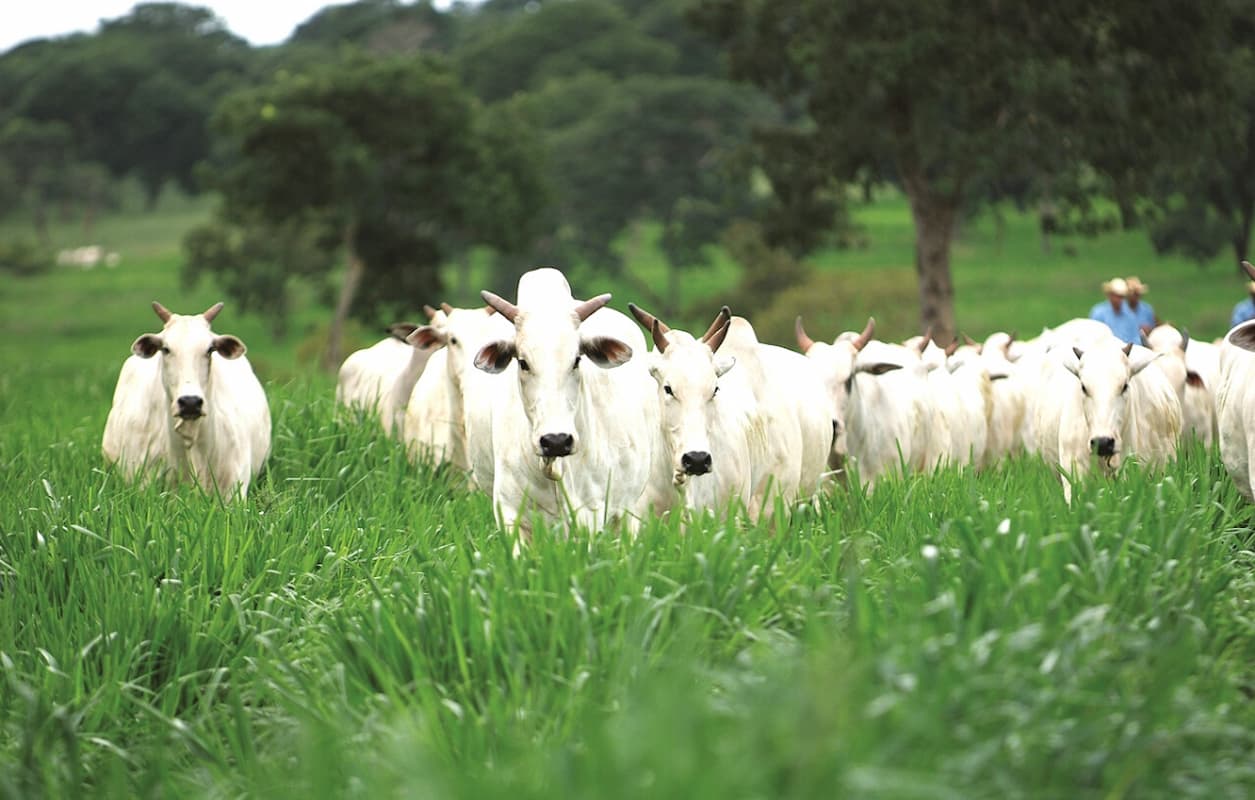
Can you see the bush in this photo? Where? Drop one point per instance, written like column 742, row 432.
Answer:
column 23, row 257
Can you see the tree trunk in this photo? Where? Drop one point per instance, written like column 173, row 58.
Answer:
column 1242, row 236
column 348, row 290
column 934, row 216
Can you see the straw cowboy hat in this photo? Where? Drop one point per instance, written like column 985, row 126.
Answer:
column 1135, row 285
column 1116, row 286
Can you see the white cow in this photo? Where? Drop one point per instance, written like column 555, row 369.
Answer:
column 889, row 411
column 834, row 364
column 187, row 403
column 1235, row 406
column 435, row 417
column 571, row 436
column 1202, row 375
column 1006, row 417
column 381, row 377
column 1170, row 343
column 710, row 433
column 1104, row 403
column 974, row 387
column 794, row 411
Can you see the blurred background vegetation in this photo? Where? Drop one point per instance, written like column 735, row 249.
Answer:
column 966, row 166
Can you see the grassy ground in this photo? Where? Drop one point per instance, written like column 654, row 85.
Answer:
column 358, row 628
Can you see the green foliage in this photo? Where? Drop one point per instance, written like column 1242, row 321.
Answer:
column 387, row 158
column 23, row 257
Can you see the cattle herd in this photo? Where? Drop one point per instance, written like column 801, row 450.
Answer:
column 558, row 409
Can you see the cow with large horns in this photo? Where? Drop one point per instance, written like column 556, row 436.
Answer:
column 187, row 403
column 572, row 419
column 709, row 434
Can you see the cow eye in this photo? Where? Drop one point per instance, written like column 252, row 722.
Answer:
column 577, row 363
column 1084, row 391
column 453, row 340
column 1125, row 389
column 523, row 365
column 666, row 387
column 715, row 392
column 165, row 350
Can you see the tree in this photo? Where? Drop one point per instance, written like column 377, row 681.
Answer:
column 383, row 157
column 136, row 97
column 954, row 94
column 37, row 154
column 663, row 149
column 1204, row 200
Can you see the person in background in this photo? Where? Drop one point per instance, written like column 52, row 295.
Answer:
column 1244, row 310
column 1114, row 313
column 1143, row 312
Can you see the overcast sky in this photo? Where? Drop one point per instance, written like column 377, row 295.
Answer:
column 258, row 21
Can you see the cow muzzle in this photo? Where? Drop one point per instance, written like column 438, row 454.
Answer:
column 696, row 462
column 190, row 406
column 1104, row 446
column 556, row 445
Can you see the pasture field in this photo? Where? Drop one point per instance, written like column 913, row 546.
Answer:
column 358, row 628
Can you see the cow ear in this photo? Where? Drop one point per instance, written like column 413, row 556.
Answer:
column 495, row 356
column 147, row 345
column 1142, row 360
column 427, row 337
column 606, row 352
column 228, row 347
column 879, row 368
column 722, row 365
column 400, row 330
column 1192, row 378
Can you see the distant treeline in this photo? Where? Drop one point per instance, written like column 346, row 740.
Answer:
column 384, row 139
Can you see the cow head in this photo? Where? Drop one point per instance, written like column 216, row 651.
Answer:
column 551, row 352
column 187, row 347
column 834, row 364
column 1105, row 371
column 460, row 330
column 687, row 372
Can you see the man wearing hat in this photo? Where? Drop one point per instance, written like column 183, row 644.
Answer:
column 1114, row 313
column 1244, row 310
column 1143, row 312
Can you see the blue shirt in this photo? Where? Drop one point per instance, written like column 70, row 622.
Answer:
column 1122, row 323
column 1144, row 314
column 1242, row 312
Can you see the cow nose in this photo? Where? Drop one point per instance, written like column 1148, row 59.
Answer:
column 696, row 462
column 191, row 405
column 554, row 445
column 1103, row 445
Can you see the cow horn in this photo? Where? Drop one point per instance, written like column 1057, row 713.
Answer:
column 951, row 348
column 971, row 342
column 803, row 341
column 1250, row 270
column 504, row 307
column 724, row 316
column 866, row 335
column 211, row 312
column 718, row 336
column 162, row 311
column 660, row 341
column 446, row 308
column 928, row 337
column 1185, row 338
column 585, row 309
column 646, row 319
column 429, row 311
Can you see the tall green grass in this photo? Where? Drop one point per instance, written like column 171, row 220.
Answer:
column 359, row 627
